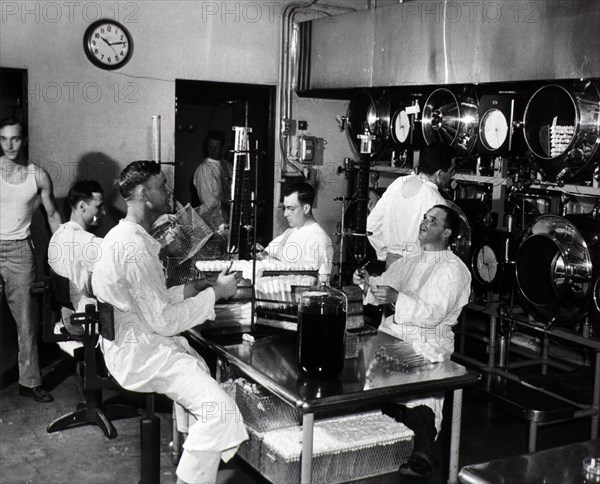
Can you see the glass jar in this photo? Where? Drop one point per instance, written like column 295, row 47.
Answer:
column 322, row 330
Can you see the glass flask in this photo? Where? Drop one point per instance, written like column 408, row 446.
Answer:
column 322, row 330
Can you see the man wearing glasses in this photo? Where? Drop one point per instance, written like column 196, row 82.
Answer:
column 428, row 288
column 304, row 242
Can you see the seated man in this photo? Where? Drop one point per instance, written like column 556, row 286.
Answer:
column 305, row 241
column 74, row 249
column 429, row 289
column 147, row 354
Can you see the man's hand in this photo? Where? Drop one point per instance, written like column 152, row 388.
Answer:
column 225, row 285
column 204, row 283
column 385, row 294
column 164, row 219
column 360, row 276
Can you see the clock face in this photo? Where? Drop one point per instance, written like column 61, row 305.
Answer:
column 493, row 129
column 401, row 126
column 485, row 264
column 107, row 44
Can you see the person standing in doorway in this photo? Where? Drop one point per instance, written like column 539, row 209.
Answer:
column 213, row 177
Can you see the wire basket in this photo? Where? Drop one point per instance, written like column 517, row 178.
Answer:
column 185, row 237
column 263, row 411
column 345, row 449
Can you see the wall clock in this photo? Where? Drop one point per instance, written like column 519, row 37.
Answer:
column 107, row 44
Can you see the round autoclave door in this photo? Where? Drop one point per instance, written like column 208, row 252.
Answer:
column 554, row 271
column 368, row 113
column 451, row 119
column 562, row 128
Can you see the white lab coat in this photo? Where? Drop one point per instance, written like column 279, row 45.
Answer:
column 308, row 244
column 72, row 253
column 433, row 288
column 212, row 180
column 147, row 354
column 394, row 221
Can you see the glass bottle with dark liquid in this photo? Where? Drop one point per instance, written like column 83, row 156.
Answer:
column 322, row 330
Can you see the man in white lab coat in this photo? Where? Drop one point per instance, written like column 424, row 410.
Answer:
column 147, row 354
column 304, row 241
column 429, row 289
column 394, row 221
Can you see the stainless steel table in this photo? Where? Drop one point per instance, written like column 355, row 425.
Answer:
column 271, row 362
column 560, row 465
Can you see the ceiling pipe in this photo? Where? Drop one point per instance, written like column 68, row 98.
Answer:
column 288, row 61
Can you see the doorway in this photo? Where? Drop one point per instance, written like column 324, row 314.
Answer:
column 202, row 106
column 13, row 97
column 13, row 104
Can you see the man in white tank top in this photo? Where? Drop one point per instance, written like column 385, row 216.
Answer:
column 21, row 183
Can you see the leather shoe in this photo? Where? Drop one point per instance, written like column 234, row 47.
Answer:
column 37, row 393
column 417, row 466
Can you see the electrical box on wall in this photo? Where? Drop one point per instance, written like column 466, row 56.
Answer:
column 310, row 150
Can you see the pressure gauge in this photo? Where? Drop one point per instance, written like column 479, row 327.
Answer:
column 400, row 126
column 484, row 264
column 493, row 129
column 496, row 116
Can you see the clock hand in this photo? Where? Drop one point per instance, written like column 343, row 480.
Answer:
column 111, row 46
column 106, row 41
column 117, row 43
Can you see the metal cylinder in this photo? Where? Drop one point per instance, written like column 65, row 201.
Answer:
column 150, row 450
column 502, row 350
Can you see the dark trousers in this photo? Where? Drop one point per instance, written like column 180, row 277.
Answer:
column 421, row 420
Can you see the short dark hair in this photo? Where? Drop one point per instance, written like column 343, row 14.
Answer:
column 83, row 190
column 435, row 157
column 217, row 135
column 452, row 221
column 306, row 192
column 12, row 120
column 135, row 174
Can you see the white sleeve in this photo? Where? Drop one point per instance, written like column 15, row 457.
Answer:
column 176, row 293
column 434, row 302
column 391, row 277
column 375, row 226
column 274, row 246
column 155, row 304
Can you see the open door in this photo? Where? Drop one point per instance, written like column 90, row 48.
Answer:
column 203, row 106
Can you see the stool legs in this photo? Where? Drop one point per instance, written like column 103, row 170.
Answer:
column 177, row 440
column 150, row 445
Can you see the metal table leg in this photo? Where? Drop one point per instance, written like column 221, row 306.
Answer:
column 455, row 435
column 545, row 353
column 308, row 421
column 532, row 439
column 492, row 347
